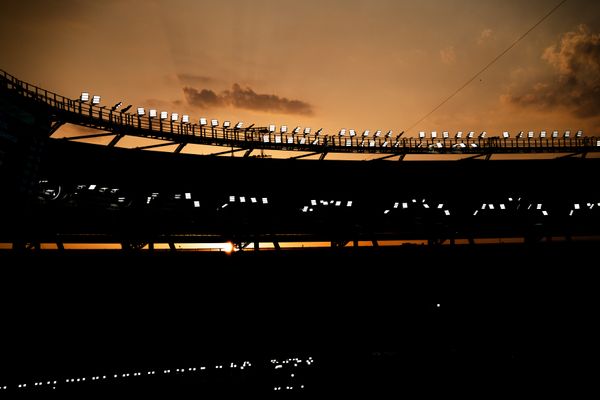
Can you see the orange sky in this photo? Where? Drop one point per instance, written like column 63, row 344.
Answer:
column 373, row 64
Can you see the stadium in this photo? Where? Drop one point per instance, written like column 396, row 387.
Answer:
column 430, row 247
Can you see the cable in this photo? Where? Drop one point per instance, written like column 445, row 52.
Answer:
column 488, row 65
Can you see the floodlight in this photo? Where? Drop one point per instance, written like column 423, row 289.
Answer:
column 271, row 128
column 226, row 124
column 119, row 104
column 579, row 134
column 239, row 125
column 126, row 109
column 482, row 135
column 505, row 134
column 185, row 119
column 554, row 134
column 152, row 114
column 352, row 132
column 214, row 123
column 473, row 144
column 543, row 134
column 471, row 134
column 306, row 131
column 318, row 132
column 445, row 135
column 141, row 111
column 174, row 116
column 96, row 100
column 85, row 96
column 342, row 132
column 385, row 144
column 283, row 129
column 433, row 134
column 530, row 135
column 296, row 130
column 366, row 133
column 567, row 134
column 439, row 145
column 389, row 134
column 458, row 135
column 377, row 133
column 520, row 135
column 421, row 135
column 164, row 115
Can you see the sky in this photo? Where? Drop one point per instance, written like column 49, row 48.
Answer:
column 331, row 64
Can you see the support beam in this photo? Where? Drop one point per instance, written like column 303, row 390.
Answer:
column 115, row 140
column 247, row 153
column 179, row 148
column 323, row 156
column 172, row 246
column 54, row 127
column 305, row 155
column 152, row 146
column 226, row 152
column 402, row 157
column 89, row 136
column 276, row 245
column 388, row 156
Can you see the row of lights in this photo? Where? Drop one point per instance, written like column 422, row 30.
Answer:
column 289, row 363
column 505, row 135
column 55, row 383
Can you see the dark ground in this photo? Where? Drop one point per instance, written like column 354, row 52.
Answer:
column 511, row 319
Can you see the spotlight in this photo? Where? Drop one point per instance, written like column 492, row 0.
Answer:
column 226, row 124
column 554, row 134
column 214, row 123
column 174, row 117
column 342, row 132
column 543, row 134
column 164, row 115
column 458, row 135
column 471, row 134
column 377, row 133
column 482, row 135
column 579, row 134
column 505, row 134
column 203, row 121
column 119, row 104
column 352, row 133
column 283, row 129
column 530, row 135
column 389, row 134
column 445, row 135
column 141, row 111
column 296, row 130
column 567, row 134
column 433, row 134
column 520, row 135
column 152, row 113
column 421, row 135
column 96, row 100
column 126, row 109
column 185, row 119
column 365, row 133
column 272, row 128
column 318, row 132
column 239, row 125
column 85, row 96
column 306, row 131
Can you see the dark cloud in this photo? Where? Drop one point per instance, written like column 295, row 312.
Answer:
column 576, row 85
column 194, row 80
column 248, row 99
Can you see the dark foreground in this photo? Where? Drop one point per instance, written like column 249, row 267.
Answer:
column 471, row 319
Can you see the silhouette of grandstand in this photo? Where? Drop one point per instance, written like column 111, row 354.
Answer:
column 462, row 263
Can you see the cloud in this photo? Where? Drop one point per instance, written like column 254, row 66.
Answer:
column 576, row 82
column 484, row 36
column 193, row 80
column 448, row 55
column 246, row 98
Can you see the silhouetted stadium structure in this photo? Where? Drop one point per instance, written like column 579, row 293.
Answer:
column 461, row 267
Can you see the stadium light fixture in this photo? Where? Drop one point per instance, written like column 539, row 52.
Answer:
column 458, row 135
column 283, row 129
column 119, row 104
column 185, row 119
column 164, row 115
column 226, row 124
column 352, row 132
column 85, row 96
column 203, row 121
column 390, row 133
column 471, row 134
column 445, row 135
column 126, row 109
column 152, row 113
column 482, row 135
column 96, row 100
column 296, row 130
column 141, row 111
column 554, row 134
column 306, row 131
column 520, row 135
column 214, row 123
column 505, row 134
column 174, row 117
column 530, row 135
column 239, row 125
column 377, row 133
column 365, row 133
column 318, row 132
column 433, row 134
column 421, row 135
column 272, row 128
column 543, row 134
column 579, row 134
column 567, row 134
column 342, row 132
